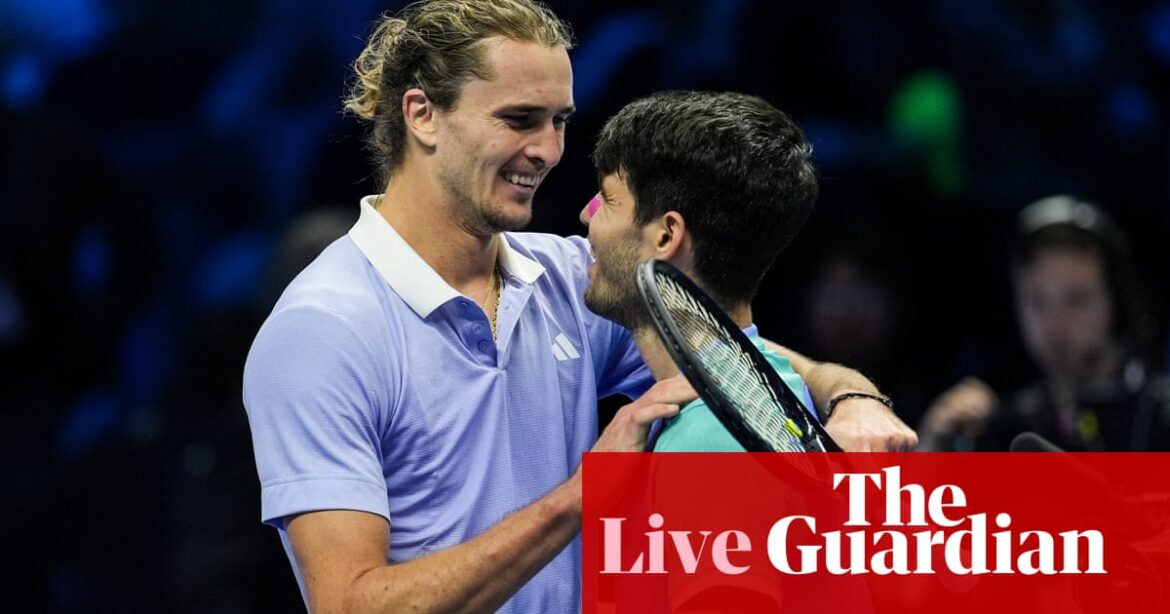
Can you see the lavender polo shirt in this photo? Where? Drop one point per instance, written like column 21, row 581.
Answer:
column 375, row 386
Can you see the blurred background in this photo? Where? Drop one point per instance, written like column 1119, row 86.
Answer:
column 167, row 167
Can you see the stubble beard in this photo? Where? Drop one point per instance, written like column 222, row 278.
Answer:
column 613, row 293
column 493, row 219
column 482, row 217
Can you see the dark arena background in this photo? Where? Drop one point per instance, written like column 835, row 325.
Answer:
column 166, row 167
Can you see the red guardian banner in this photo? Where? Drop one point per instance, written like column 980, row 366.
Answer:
column 880, row 533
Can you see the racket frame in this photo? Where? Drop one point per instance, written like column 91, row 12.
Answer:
column 815, row 438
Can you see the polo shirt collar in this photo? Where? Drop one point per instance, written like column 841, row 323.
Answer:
column 408, row 274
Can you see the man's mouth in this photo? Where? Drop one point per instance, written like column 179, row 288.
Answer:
column 524, row 180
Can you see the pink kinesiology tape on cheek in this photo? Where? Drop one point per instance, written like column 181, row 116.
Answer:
column 593, row 206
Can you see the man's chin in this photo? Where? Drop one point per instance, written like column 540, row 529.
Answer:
column 612, row 310
column 596, row 303
column 591, row 297
column 503, row 222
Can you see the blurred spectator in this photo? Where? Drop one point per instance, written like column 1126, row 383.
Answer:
column 1082, row 320
column 856, row 308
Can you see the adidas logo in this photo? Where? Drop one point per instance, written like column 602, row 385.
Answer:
column 564, row 350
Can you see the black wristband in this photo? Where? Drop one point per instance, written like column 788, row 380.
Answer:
column 884, row 400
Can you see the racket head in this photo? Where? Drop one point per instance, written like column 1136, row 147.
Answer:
column 742, row 389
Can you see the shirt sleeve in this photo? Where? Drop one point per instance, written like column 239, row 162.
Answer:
column 311, row 389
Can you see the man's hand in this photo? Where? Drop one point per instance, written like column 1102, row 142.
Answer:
column 630, row 426
column 859, row 424
column 628, row 430
column 963, row 410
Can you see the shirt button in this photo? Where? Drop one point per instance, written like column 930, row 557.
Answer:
column 483, row 345
column 477, row 329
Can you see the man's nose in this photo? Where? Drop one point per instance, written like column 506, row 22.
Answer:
column 546, row 146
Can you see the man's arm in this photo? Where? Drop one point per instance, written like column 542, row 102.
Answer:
column 857, row 424
column 342, row 554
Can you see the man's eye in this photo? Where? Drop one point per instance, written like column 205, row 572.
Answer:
column 518, row 121
column 561, row 121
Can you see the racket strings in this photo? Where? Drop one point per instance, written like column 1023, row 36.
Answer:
column 732, row 370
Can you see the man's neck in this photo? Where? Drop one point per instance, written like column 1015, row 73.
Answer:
column 412, row 205
column 654, row 353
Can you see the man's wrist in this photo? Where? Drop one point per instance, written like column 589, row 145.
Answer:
column 854, row 394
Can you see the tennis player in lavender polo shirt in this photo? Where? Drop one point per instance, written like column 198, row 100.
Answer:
column 421, row 394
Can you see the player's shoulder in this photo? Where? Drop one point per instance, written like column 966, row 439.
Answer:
column 337, row 290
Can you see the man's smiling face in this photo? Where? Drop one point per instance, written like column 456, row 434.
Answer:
column 504, row 135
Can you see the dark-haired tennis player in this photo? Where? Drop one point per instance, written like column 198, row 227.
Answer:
column 717, row 184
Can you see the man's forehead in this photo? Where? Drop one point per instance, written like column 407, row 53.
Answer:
column 527, row 75
column 615, row 180
column 607, row 185
column 1062, row 269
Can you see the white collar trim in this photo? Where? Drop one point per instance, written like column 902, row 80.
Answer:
column 408, row 274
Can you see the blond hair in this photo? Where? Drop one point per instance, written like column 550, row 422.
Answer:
column 434, row 45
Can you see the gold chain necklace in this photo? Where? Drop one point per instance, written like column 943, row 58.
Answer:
column 494, row 292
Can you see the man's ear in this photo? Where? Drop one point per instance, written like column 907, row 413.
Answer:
column 419, row 115
column 670, row 238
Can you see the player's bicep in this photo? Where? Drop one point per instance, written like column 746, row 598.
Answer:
column 333, row 549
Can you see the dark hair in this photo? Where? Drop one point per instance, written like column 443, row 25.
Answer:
column 1067, row 223
column 738, row 170
column 435, row 45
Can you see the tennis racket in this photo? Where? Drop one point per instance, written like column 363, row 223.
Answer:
column 743, row 391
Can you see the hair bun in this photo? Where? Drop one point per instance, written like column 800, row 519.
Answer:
column 366, row 93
